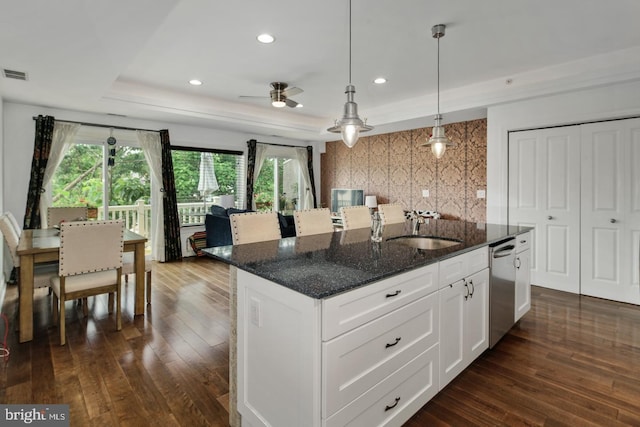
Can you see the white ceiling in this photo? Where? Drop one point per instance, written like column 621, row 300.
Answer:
column 134, row 57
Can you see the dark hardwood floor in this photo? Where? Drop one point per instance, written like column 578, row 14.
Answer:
column 571, row 361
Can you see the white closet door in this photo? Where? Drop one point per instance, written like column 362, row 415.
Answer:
column 544, row 192
column 611, row 210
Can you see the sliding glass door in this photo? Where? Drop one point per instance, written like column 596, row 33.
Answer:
column 282, row 182
column 113, row 181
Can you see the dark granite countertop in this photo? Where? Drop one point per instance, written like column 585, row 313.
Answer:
column 324, row 265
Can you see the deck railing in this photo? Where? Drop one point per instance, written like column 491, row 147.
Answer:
column 138, row 217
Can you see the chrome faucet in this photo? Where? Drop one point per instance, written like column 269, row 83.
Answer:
column 416, row 220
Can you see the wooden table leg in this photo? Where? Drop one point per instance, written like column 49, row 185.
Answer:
column 26, row 298
column 139, row 266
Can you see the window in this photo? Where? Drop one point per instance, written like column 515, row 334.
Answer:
column 207, row 177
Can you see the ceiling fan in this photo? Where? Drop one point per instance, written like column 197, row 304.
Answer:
column 280, row 94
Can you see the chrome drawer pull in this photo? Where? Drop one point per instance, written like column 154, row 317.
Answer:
column 391, row 345
column 394, row 294
column 386, row 408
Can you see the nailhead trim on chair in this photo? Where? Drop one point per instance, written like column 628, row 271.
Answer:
column 87, row 224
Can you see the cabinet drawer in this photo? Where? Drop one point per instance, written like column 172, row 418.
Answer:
column 349, row 310
column 356, row 361
column 395, row 399
column 454, row 269
column 477, row 260
column 523, row 241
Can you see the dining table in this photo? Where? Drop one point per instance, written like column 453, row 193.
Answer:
column 43, row 245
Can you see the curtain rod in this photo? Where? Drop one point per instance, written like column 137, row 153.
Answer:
column 278, row 145
column 102, row 126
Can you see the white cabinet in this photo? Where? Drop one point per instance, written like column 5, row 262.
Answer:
column 523, row 275
column 370, row 356
column 360, row 367
column 464, row 312
column 380, row 350
column 363, row 357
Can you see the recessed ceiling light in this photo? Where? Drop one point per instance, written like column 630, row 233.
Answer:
column 195, row 82
column 266, row 38
column 380, row 80
column 299, row 105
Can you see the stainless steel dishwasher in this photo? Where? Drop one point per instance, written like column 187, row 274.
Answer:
column 502, row 284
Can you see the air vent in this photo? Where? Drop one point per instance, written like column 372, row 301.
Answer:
column 11, row 74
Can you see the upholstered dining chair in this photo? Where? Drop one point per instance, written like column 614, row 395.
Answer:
column 355, row 217
column 391, row 213
column 90, row 264
column 313, row 221
column 55, row 215
column 14, row 222
column 129, row 267
column 42, row 273
column 250, row 227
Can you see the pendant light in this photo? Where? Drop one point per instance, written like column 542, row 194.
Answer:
column 350, row 125
column 438, row 141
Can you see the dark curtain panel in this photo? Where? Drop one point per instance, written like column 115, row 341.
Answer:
column 310, row 167
column 41, row 148
column 172, row 245
column 251, row 168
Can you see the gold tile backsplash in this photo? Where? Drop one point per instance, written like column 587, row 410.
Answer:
column 396, row 168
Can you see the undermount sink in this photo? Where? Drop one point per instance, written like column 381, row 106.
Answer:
column 425, row 242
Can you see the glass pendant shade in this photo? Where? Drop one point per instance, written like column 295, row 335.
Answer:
column 438, row 149
column 350, row 135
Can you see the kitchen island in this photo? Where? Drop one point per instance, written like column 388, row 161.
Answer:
column 335, row 329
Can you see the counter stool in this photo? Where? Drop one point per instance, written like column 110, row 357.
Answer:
column 313, row 221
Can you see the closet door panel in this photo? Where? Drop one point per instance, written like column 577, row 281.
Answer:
column 609, row 210
column 559, row 250
column 544, row 190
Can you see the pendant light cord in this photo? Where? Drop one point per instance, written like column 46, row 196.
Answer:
column 349, row 42
column 438, row 75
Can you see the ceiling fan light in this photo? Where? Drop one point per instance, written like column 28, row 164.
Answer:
column 278, row 104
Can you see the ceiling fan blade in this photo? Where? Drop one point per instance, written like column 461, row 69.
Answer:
column 290, row 103
column 291, row 91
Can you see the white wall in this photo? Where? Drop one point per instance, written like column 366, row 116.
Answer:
column 3, row 282
column 20, row 130
column 617, row 101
